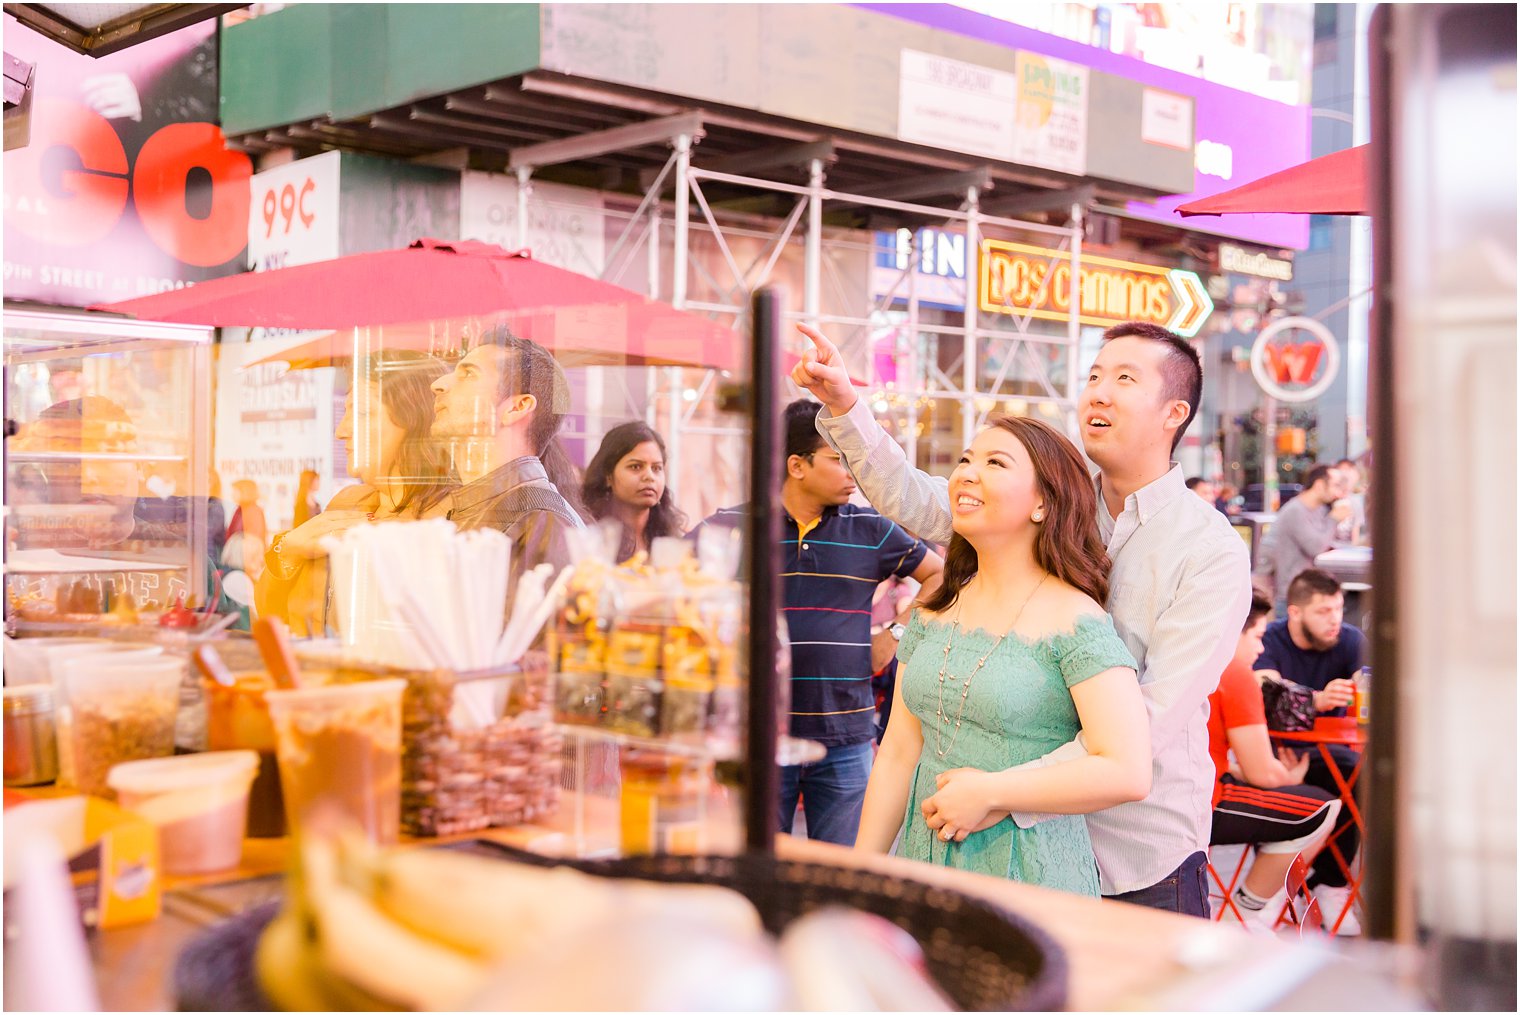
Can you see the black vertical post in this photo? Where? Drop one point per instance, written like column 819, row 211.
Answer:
column 1380, row 844
column 762, row 778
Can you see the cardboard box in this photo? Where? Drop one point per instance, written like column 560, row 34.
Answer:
column 113, row 855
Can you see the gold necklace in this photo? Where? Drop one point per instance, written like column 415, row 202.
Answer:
column 941, row 719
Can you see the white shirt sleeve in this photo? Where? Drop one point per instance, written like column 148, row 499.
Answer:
column 910, row 497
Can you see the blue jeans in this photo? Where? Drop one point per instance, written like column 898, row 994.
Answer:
column 1185, row 890
column 833, row 791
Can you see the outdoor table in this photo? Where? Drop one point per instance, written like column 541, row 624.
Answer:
column 1344, row 731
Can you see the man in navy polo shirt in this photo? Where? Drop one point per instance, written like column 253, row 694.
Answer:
column 834, row 554
column 1314, row 649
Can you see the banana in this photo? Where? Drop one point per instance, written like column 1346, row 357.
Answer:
column 358, row 943
column 286, row 968
column 485, row 908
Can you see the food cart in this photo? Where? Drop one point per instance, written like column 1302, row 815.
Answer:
column 360, row 922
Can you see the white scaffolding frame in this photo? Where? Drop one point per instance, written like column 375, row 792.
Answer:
column 926, row 380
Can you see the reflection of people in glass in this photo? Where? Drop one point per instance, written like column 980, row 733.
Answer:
column 626, row 482
column 385, row 427
column 499, row 414
column 71, row 502
column 306, row 507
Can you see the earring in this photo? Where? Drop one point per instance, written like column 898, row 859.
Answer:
column 1037, row 517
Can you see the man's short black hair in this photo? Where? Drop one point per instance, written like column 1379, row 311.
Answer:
column 800, row 427
column 1316, row 474
column 1195, row 482
column 1309, row 583
column 1345, row 462
column 1182, row 369
column 1260, row 607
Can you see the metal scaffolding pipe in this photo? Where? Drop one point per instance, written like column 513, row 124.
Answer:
column 524, row 188
column 678, row 273
column 1074, row 323
column 813, row 267
column 968, row 363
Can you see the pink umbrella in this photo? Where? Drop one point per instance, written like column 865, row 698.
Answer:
column 436, row 280
column 1329, row 185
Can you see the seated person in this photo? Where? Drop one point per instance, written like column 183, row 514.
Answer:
column 1260, row 799
column 499, row 415
column 1314, row 649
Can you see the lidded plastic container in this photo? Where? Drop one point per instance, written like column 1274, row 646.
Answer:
column 199, row 802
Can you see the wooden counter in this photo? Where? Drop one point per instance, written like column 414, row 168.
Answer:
column 1120, row 956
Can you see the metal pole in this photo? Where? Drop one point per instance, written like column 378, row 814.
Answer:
column 968, row 361
column 650, row 379
column 524, row 188
column 1074, row 322
column 915, row 354
column 762, row 777
column 813, row 266
column 1268, row 453
column 678, row 271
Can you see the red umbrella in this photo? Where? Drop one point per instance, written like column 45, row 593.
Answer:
column 436, row 280
column 1329, row 185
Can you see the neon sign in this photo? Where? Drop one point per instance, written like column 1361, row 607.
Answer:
column 1018, row 279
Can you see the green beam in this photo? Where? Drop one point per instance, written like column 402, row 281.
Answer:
column 347, row 60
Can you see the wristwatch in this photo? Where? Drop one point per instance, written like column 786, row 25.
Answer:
column 896, row 631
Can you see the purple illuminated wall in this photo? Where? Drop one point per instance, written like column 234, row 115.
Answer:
column 1264, row 136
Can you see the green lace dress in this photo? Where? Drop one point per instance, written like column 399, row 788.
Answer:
column 1018, row 708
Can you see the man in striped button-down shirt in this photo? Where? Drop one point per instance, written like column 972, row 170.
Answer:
column 1180, row 584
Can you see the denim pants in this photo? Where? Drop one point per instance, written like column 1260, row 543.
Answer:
column 1185, row 890
column 833, row 790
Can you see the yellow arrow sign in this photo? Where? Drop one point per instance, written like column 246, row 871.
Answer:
column 1019, row 279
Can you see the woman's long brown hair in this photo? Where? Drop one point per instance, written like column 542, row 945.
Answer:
column 1068, row 545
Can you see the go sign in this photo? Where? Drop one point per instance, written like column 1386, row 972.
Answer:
column 1286, row 369
column 70, row 186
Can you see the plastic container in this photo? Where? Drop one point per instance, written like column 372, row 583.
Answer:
column 112, row 713
column 31, row 745
column 237, row 718
column 340, row 748
column 199, row 803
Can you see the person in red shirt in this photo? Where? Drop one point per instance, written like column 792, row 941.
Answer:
column 1260, row 798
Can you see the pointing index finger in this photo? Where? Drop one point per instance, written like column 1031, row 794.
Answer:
column 825, row 348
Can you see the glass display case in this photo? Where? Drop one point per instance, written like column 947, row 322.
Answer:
column 107, row 427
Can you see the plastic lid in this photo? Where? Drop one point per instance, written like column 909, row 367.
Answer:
column 182, row 772
column 359, row 688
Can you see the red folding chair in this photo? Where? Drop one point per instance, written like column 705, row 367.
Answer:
column 1227, row 900
column 1313, row 922
column 1311, row 919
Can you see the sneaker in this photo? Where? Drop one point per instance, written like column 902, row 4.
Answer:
column 1331, row 901
column 1263, row 920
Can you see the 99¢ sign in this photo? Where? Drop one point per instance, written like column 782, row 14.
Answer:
column 289, row 205
column 293, row 217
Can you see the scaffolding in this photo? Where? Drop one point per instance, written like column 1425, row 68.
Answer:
column 689, row 209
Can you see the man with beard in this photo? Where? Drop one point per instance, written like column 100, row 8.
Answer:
column 1314, row 649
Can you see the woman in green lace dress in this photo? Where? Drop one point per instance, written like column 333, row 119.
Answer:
column 1007, row 660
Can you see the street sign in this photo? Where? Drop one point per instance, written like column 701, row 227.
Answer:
column 1295, row 371
column 1023, row 280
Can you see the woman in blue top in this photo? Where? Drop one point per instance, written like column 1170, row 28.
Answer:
column 1008, row 659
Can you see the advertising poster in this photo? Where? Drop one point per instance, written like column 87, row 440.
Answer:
column 1052, row 114
column 272, row 424
column 126, row 187
column 566, row 225
column 953, row 104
